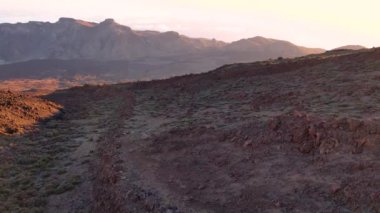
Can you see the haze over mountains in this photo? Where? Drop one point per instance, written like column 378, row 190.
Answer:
column 130, row 55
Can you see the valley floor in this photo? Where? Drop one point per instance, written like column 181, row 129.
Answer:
column 287, row 142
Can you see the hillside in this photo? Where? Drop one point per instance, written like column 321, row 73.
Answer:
column 52, row 74
column 20, row 112
column 111, row 52
column 351, row 47
column 285, row 135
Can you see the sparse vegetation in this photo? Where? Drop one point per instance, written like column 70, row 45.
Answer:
column 284, row 135
column 19, row 112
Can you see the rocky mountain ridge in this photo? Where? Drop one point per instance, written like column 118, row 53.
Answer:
column 76, row 39
column 71, row 47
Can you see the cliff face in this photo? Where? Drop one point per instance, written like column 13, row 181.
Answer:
column 113, row 52
column 76, row 39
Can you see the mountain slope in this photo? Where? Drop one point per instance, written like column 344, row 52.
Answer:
column 20, row 112
column 286, row 135
column 351, row 47
column 63, row 69
column 260, row 48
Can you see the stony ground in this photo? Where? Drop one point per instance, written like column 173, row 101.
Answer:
column 19, row 112
column 298, row 135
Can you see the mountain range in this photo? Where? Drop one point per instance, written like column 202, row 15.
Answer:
column 75, row 47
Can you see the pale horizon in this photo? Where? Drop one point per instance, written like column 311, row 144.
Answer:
column 321, row 24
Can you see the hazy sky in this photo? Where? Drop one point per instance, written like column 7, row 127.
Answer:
column 312, row 23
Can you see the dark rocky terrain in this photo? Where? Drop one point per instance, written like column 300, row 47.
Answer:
column 286, row 135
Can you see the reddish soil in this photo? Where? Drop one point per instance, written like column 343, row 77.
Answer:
column 19, row 112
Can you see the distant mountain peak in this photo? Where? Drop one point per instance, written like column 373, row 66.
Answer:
column 66, row 20
column 351, row 47
column 259, row 38
column 108, row 21
column 171, row 35
column 70, row 21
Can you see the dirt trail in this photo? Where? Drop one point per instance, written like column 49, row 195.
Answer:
column 63, row 165
column 304, row 140
column 92, row 129
column 176, row 166
column 100, row 171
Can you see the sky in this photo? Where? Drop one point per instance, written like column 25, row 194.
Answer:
column 312, row 23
